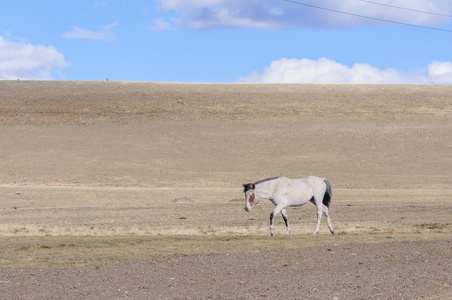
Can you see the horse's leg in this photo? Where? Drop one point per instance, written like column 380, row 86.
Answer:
column 317, row 201
column 319, row 218
column 286, row 220
column 318, row 205
column 277, row 209
column 328, row 219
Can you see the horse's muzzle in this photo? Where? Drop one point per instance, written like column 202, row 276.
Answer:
column 247, row 209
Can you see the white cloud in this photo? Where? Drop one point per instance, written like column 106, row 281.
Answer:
column 104, row 34
column 19, row 60
column 161, row 25
column 99, row 4
column 325, row 70
column 276, row 15
column 440, row 72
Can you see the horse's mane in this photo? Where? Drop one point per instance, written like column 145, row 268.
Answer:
column 268, row 179
column 249, row 186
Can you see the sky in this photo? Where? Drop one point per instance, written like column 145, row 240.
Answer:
column 280, row 41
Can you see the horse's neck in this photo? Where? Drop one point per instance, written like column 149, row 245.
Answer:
column 265, row 189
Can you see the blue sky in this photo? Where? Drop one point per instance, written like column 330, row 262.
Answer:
column 228, row 40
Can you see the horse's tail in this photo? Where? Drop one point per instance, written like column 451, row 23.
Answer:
column 328, row 193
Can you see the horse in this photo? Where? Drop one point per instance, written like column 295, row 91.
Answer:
column 284, row 192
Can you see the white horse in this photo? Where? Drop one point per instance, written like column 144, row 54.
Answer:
column 285, row 192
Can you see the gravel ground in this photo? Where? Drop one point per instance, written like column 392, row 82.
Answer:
column 405, row 270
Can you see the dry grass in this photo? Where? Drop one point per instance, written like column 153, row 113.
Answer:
column 29, row 252
column 63, row 226
column 83, row 211
column 95, row 172
column 87, row 103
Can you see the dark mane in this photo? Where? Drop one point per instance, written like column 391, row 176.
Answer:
column 249, row 186
column 268, row 179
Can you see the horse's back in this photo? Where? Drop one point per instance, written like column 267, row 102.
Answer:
column 311, row 180
column 304, row 186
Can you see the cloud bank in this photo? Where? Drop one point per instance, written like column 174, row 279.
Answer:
column 325, row 70
column 104, row 34
column 278, row 15
column 19, row 60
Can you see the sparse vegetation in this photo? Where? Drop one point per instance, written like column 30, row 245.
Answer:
column 110, row 174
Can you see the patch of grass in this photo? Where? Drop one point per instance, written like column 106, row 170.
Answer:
column 433, row 226
column 34, row 252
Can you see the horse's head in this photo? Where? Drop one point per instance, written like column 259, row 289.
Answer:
column 251, row 198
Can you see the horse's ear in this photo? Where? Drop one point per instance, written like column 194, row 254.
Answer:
column 249, row 186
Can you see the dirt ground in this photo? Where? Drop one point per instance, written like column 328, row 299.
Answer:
column 144, row 168
column 403, row 270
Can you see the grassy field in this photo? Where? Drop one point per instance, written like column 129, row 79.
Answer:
column 39, row 252
column 97, row 172
column 44, row 211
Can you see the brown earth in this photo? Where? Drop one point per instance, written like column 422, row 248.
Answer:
column 403, row 270
column 157, row 165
